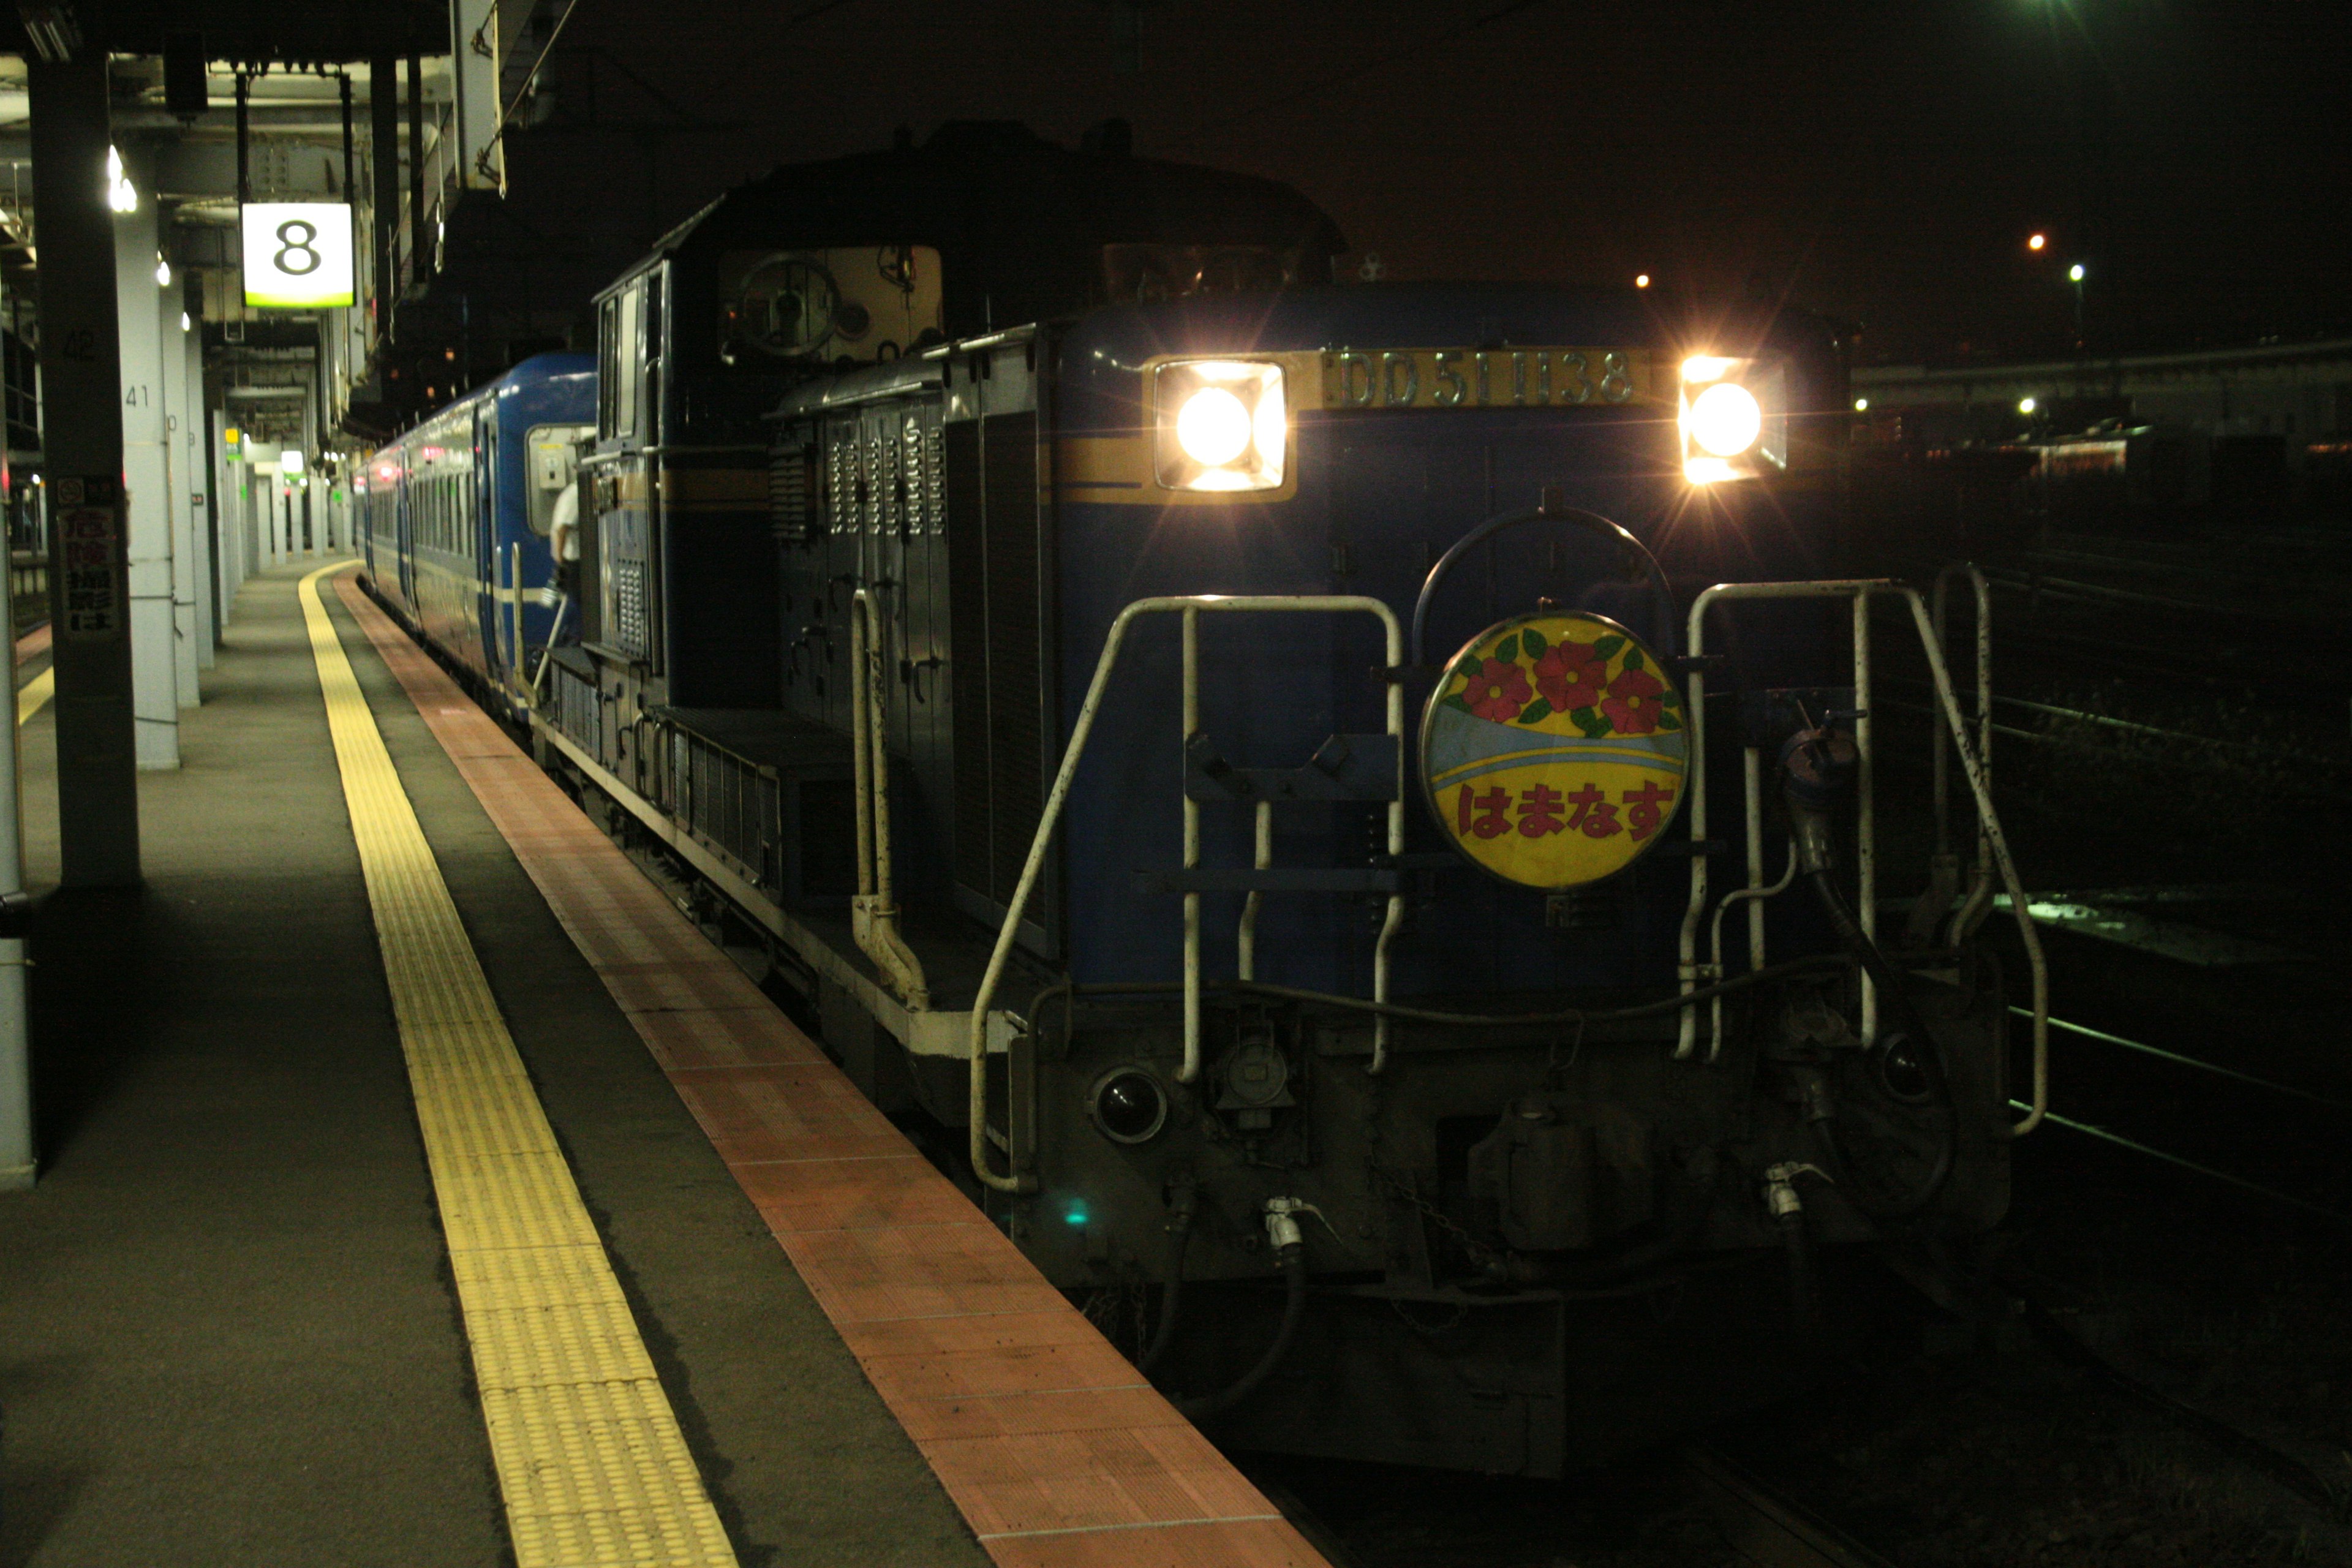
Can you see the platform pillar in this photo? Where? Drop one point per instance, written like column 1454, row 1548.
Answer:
column 179, row 484
column 82, row 398
column 190, row 460
column 147, row 481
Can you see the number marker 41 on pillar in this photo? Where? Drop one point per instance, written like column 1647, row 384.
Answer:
column 1553, row 752
column 298, row 255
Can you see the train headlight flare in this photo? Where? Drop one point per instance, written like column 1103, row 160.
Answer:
column 1734, row 418
column 1220, row 424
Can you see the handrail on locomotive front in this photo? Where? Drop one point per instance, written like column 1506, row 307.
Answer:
column 1972, row 766
column 1190, row 604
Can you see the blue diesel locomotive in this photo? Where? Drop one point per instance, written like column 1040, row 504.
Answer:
column 1253, row 773
column 454, row 518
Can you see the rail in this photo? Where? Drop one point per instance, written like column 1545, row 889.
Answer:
column 1860, row 591
column 1189, row 605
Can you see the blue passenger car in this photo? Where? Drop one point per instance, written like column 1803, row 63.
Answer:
column 455, row 516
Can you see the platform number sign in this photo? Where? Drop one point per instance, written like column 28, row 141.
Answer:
column 298, row 255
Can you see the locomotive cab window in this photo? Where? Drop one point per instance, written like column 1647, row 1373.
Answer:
column 859, row 302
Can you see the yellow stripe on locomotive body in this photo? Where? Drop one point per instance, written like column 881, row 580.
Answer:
column 1119, row 469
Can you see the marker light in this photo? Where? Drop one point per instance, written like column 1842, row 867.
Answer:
column 1128, row 1106
column 1734, row 418
column 1220, row 424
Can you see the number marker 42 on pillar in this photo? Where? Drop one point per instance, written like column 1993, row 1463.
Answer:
column 298, row 255
column 1553, row 752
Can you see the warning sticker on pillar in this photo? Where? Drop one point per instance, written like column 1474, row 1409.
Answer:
column 93, row 590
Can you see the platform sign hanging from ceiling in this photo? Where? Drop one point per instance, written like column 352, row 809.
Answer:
column 298, row 255
column 1553, row 752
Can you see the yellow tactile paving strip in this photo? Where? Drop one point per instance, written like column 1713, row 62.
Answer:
column 1057, row 1452
column 595, row 1471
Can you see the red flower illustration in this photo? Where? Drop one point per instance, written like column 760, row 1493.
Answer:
column 1633, row 704
column 1498, row 691
column 1570, row 675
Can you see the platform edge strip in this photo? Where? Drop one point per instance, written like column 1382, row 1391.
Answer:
column 1247, row 1537
column 592, row 1465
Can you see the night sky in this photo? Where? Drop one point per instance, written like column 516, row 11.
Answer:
column 1879, row 162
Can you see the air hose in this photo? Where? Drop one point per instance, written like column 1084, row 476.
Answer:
column 1172, row 1295
column 1293, row 1260
column 1816, row 766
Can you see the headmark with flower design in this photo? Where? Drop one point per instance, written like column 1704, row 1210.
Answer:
column 1553, row 752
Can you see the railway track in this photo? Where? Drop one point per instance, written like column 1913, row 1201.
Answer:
column 1766, row 1528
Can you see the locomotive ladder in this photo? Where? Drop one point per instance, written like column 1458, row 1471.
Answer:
column 1992, row 851
column 1191, row 605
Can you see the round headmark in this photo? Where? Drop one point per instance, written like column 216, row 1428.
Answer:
column 1553, row 752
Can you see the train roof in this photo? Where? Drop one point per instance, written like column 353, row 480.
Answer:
column 1018, row 222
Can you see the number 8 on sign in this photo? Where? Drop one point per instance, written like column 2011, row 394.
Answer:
column 298, row 255
column 291, row 245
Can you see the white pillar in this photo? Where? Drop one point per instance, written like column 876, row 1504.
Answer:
column 154, row 680
column 196, row 432
column 173, row 356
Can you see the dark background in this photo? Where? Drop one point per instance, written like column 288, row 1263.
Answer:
column 1881, row 163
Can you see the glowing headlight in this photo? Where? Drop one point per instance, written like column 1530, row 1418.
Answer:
column 1734, row 418
column 1220, row 424
column 1725, row 419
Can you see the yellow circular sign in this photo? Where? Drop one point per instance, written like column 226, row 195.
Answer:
column 1553, row 751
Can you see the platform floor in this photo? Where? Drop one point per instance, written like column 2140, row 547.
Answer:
column 230, row 1331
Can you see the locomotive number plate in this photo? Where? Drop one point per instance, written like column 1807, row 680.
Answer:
column 1486, row 378
column 1553, row 752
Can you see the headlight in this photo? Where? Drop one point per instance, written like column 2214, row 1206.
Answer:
column 1734, row 418
column 1220, row 424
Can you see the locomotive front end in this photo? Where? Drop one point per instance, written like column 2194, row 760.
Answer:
column 1361, row 1052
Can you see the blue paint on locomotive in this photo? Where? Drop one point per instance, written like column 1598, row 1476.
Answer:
column 1380, row 494
column 446, row 503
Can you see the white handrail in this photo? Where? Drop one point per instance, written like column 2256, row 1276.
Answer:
column 1190, row 604
column 873, row 914
column 1692, row 973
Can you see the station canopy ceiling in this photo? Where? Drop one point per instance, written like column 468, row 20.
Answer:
column 301, row 33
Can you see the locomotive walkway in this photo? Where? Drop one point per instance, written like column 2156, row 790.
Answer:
column 420, row 1188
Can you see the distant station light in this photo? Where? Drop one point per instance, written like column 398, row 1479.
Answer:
column 2075, row 273
column 1862, row 406
column 2037, row 242
column 2026, row 405
column 1641, row 280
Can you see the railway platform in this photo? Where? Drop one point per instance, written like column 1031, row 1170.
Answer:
column 420, row 1187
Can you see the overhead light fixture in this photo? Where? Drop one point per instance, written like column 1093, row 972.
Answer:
column 162, row 273
column 120, row 193
column 184, row 321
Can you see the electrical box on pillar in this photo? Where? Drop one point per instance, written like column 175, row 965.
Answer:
column 298, row 255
